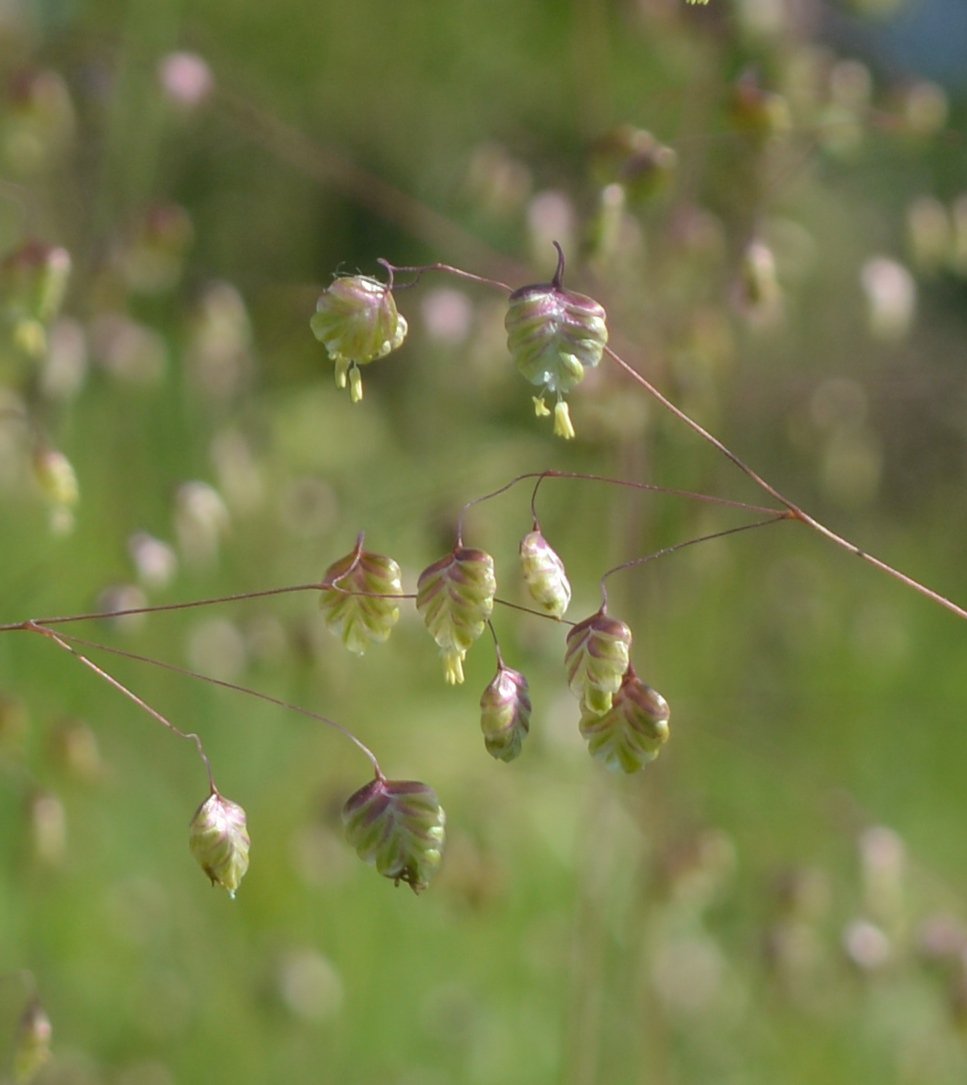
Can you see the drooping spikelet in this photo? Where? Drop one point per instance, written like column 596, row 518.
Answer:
column 219, row 840
column 555, row 335
column 356, row 598
column 596, row 658
column 505, row 713
column 400, row 827
column 544, row 574
column 455, row 595
column 631, row 733
column 357, row 321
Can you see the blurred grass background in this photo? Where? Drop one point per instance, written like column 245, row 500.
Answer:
column 779, row 898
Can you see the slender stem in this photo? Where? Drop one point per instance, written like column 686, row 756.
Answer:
column 159, row 608
column 418, row 272
column 674, row 547
column 34, row 627
column 268, row 698
column 582, row 476
column 795, row 512
column 701, row 431
column 534, row 613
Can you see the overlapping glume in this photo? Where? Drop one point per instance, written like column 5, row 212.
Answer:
column 631, row 733
column 544, row 574
column 356, row 598
column 596, row 658
column 505, row 713
column 555, row 335
column 398, row 826
column 219, row 840
column 357, row 321
column 455, row 597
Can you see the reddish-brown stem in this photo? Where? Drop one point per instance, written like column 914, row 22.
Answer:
column 649, row 487
column 794, row 511
column 674, row 547
column 268, row 698
column 448, row 269
column 158, row 608
column 34, row 627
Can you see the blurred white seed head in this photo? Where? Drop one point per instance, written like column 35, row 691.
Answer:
column 866, row 945
column 119, row 597
column 47, row 819
column 551, row 217
column 64, row 367
column 201, row 522
column 219, row 353
column 309, row 985
column 891, row 298
column 129, row 351
column 447, row 315
column 186, row 79
column 155, row 560
column 217, row 647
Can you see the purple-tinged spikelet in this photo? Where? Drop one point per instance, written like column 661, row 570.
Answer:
column 355, row 598
column 219, row 840
column 505, row 713
column 455, row 595
column 631, row 733
column 400, row 827
column 596, row 659
column 357, row 321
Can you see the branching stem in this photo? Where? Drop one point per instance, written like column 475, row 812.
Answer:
column 158, row 608
column 62, row 642
column 793, row 510
column 187, row 673
column 650, row 487
column 633, row 563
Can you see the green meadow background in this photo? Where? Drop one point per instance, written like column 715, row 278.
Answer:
column 782, row 895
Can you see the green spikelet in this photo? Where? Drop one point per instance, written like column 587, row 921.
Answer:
column 596, row 658
column 555, row 335
column 632, row 732
column 505, row 713
column 354, row 599
column 544, row 574
column 357, row 321
column 455, row 595
column 400, row 827
column 218, row 838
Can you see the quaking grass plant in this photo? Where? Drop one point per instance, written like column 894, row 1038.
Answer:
column 557, row 340
column 553, row 335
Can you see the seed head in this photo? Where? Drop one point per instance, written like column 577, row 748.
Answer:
column 630, row 734
column 554, row 335
column 353, row 599
column 505, row 713
column 400, row 826
column 219, row 840
column 544, row 574
column 596, row 659
column 357, row 322
column 455, row 595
